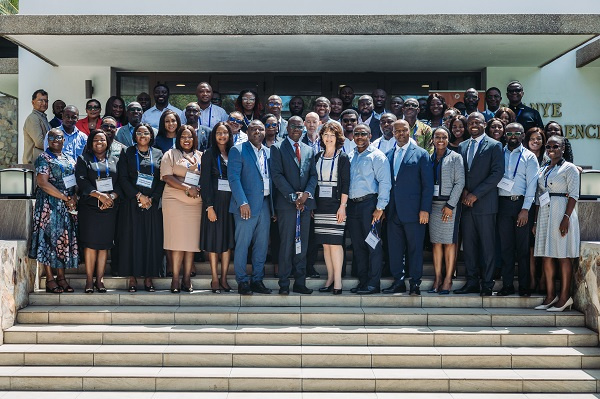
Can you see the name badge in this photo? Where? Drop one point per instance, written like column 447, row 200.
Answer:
column 298, row 247
column 104, row 185
column 192, row 178
column 506, row 184
column 224, row 185
column 436, row 190
column 545, row 199
column 144, row 180
column 372, row 240
column 266, row 183
column 325, row 191
column 69, row 181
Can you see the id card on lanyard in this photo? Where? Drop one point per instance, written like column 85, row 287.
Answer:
column 506, row 183
column 437, row 175
column 143, row 179
column 298, row 241
column 191, row 177
column 373, row 237
column 266, row 177
column 68, row 180
column 326, row 191
column 222, row 184
column 103, row 184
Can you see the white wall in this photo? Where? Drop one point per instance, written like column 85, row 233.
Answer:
column 307, row 7
column 65, row 83
column 9, row 84
column 578, row 89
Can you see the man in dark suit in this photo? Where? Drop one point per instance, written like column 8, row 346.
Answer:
column 408, row 209
column 484, row 168
column 252, row 207
column 295, row 180
column 365, row 110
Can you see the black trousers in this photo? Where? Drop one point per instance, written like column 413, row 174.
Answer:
column 368, row 260
column 479, row 245
column 514, row 242
column 288, row 259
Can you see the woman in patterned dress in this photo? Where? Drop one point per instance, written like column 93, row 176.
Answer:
column 54, row 237
column 557, row 227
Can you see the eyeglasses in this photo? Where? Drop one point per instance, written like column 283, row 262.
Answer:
column 513, row 91
column 552, row 147
column 411, row 105
column 111, row 127
column 328, row 136
column 248, row 99
column 274, row 104
column 41, row 100
column 360, row 134
column 142, row 133
column 233, row 120
column 294, row 127
column 93, row 108
column 55, row 138
column 510, row 134
column 268, row 125
column 349, row 120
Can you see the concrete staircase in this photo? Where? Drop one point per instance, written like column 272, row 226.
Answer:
column 161, row 345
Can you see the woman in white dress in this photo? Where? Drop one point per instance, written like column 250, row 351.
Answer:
column 557, row 227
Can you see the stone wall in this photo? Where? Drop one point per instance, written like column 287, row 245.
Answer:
column 8, row 131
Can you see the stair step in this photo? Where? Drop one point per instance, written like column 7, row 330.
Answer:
column 207, row 298
column 298, row 379
column 267, row 356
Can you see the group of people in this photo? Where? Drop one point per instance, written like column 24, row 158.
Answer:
column 162, row 181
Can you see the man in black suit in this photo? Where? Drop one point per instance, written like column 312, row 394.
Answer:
column 484, row 168
column 295, row 177
column 365, row 110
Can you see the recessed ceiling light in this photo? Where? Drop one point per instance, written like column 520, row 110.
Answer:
column 425, row 86
column 180, row 85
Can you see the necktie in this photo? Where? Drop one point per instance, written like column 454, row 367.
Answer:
column 471, row 153
column 298, row 153
column 397, row 161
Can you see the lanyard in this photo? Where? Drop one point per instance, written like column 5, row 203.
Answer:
column 519, row 114
column 188, row 164
column 374, row 230
column 219, row 166
column 236, row 137
column 60, row 165
column 335, row 154
column 548, row 172
column 517, row 165
column 266, row 171
column 137, row 160
column 437, row 168
column 298, row 225
column 209, row 116
column 98, row 168
column 415, row 130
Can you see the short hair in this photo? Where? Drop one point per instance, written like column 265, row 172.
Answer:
column 388, row 115
column 150, row 129
column 323, row 100
column 162, row 130
column 40, row 92
column 489, row 123
column 180, row 131
column 365, row 97
column 532, row 131
column 548, row 125
column 93, row 100
column 336, row 129
column 431, row 97
column 162, row 85
column 364, row 126
column 212, row 139
column 344, row 86
column 492, row 88
column 514, row 124
column 348, row 112
column 561, row 139
column 444, row 128
column 511, row 115
column 514, row 82
column 89, row 145
column 267, row 116
column 463, row 120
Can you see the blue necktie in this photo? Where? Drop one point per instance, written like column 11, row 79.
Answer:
column 397, row 161
column 471, row 153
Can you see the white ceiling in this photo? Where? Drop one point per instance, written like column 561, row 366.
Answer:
column 302, row 53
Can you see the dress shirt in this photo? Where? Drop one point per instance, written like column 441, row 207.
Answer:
column 526, row 177
column 378, row 116
column 349, row 145
column 73, row 144
column 210, row 116
column 527, row 117
column 384, row 145
column 475, row 142
column 487, row 114
column 370, row 174
column 367, row 121
column 240, row 138
column 401, row 155
column 152, row 116
column 316, row 145
column 260, row 156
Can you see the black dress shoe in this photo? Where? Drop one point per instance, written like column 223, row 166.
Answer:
column 337, row 292
column 259, row 288
column 313, row 275
column 284, row 291
column 368, row 290
column 355, row 289
column 302, row 289
column 468, row 289
column 486, row 292
column 326, row 289
column 505, row 291
column 524, row 292
column 395, row 288
column 415, row 290
column 244, row 289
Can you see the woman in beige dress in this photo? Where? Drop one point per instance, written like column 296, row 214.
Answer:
column 182, row 205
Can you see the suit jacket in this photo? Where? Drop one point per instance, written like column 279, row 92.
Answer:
column 374, row 124
column 282, row 128
column 452, row 178
column 486, row 172
column 289, row 178
column 246, row 179
column 412, row 188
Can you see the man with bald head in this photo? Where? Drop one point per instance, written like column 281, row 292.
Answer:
column 366, row 116
column 311, row 138
column 274, row 106
column 210, row 114
column 484, row 168
column 74, row 140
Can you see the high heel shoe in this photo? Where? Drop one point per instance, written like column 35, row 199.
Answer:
column 101, row 290
column 215, row 290
column 149, row 288
column 57, row 288
column 224, row 288
column 89, row 290
column 328, row 288
column 186, row 289
column 175, row 290
column 545, row 307
column 433, row 290
column 567, row 304
column 337, row 292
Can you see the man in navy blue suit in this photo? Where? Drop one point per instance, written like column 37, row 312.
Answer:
column 408, row 210
column 250, row 182
column 295, row 180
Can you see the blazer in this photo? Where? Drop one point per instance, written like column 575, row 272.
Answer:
column 290, row 178
column 246, row 179
column 412, row 189
column 343, row 173
column 486, row 172
column 451, row 178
